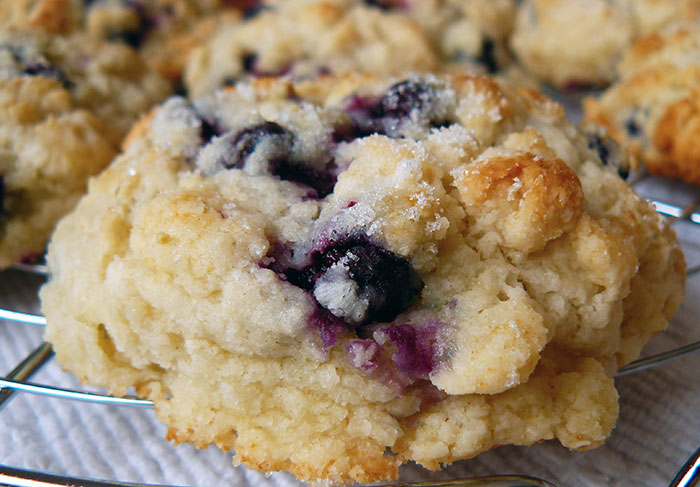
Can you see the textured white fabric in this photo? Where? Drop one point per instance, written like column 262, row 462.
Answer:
column 659, row 424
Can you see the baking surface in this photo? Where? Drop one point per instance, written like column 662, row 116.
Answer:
column 657, row 430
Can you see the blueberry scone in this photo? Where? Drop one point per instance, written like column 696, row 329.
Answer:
column 338, row 276
column 108, row 79
column 163, row 31
column 653, row 109
column 66, row 104
column 576, row 43
column 305, row 38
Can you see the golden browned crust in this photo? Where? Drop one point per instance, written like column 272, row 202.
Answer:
column 55, row 16
column 653, row 110
column 677, row 137
column 535, row 200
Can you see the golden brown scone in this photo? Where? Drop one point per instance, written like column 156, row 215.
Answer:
column 577, row 43
column 653, row 110
column 66, row 104
column 311, row 274
column 163, row 31
column 53, row 16
column 305, row 38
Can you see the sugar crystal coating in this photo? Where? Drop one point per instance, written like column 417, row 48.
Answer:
column 463, row 285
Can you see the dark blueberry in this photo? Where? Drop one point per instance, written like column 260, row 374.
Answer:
column 608, row 152
column 208, row 130
column 2, row 197
column 135, row 36
column 632, row 127
column 407, row 100
column 246, row 141
column 278, row 157
column 365, row 113
column 487, row 56
column 385, row 283
column 387, row 5
column 248, row 62
column 40, row 69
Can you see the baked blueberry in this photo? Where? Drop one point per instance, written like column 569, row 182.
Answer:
column 269, row 137
column 359, row 281
column 41, row 69
column 487, row 56
column 609, row 152
column 387, row 4
column 407, row 102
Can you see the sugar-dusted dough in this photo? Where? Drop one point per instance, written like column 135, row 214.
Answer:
column 307, row 38
column 66, row 104
column 163, row 31
column 312, row 273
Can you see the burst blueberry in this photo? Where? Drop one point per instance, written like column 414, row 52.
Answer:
column 267, row 148
column 277, row 139
column 359, row 281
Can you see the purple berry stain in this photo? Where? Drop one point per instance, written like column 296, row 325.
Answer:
column 399, row 354
column 328, row 328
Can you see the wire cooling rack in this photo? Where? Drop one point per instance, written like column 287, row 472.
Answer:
column 658, row 429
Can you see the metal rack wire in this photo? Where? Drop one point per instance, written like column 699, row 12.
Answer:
column 18, row 381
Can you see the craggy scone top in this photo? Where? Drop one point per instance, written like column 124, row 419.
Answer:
column 305, row 38
column 312, row 273
column 653, row 110
column 576, row 43
column 163, row 31
column 66, row 104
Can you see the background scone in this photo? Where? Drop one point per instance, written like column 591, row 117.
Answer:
column 576, row 43
column 163, row 31
column 654, row 109
column 310, row 274
column 305, row 38
column 66, row 104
